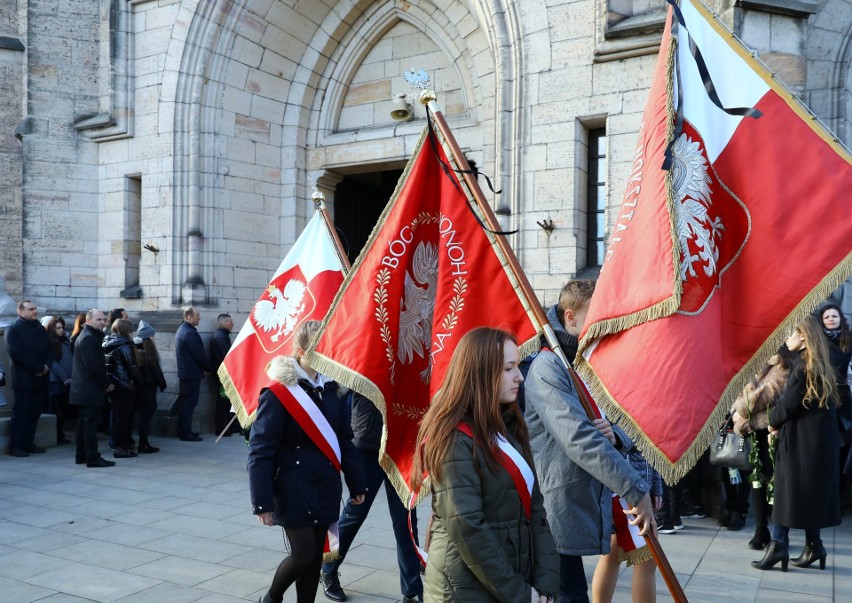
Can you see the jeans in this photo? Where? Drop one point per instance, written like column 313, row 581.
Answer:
column 573, row 587
column 189, row 391
column 782, row 534
column 353, row 516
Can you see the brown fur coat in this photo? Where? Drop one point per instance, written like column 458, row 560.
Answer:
column 763, row 390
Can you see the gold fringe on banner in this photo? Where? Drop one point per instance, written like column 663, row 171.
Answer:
column 233, row 395
column 636, row 556
column 674, row 471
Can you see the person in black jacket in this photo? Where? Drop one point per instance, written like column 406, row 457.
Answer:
column 804, row 421
column 29, row 349
column 124, row 372
column 367, row 425
column 220, row 344
column 90, row 384
column 292, row 482
column 152, row 378
column 192, row 365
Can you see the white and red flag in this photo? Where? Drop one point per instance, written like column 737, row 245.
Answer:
column 301, row 289
column 712, row 260
column 429, row 273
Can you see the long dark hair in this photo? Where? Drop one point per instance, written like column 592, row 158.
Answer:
column 820, row 377
column 56, row 342
column 470, row 392
column 122, row 327
column 845, row 339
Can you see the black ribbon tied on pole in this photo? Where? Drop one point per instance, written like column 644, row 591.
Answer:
column 709, row 86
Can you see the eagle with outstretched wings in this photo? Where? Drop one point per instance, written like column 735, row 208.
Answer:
column 282, row 312
column 418, row 304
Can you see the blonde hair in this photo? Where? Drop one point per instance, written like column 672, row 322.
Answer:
column 304, row 334
column 470, row 392
column 820, row 377
column 573, row 295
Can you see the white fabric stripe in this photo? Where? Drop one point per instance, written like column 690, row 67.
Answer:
column 313, row 251
column 317, row 417
column 736, row 82
column 518, row 460
column 638, row 539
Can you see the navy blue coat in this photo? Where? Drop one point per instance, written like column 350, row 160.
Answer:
column 189, row 353
column 288, row 474
column 29, row 349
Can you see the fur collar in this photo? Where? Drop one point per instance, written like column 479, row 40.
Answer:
column 287, row 371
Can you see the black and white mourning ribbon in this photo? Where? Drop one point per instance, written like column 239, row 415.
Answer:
column 433, row 140
column 709, row 86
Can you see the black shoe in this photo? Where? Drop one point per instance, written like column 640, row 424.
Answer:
column 725, row 519
column 33, row 449
column 192, row 438
column 80, row 460
column 695, row 513
column 62, row 440
column 760, row 540
column 123, row 453
column 146, row 448
column 811, row 552
column 666, row 528
column 736, row 523
column 100, row 462
column 415, row 599
column 20, row 452
column 266, row 598
column 775, row 552
column 331, row 586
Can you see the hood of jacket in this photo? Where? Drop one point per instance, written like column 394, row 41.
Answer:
column 567, row 342
column 113, row 342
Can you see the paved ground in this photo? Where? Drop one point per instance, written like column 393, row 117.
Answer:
column 176, row 527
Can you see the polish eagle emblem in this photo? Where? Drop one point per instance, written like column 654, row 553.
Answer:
column 281, row 312
column 418, row 304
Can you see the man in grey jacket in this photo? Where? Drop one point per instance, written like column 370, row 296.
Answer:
column 577, row 459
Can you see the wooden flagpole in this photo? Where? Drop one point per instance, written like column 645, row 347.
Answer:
column 428, row 98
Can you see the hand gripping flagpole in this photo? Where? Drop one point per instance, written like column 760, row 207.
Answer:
column 429, row 99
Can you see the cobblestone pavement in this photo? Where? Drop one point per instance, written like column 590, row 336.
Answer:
column 176, row 527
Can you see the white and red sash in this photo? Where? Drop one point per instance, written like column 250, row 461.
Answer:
column 310, row 418
column 515, row 465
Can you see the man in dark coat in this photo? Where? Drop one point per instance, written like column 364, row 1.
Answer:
column 220, row 343
column 192, row 365
column 89, row 386
column 30, row 351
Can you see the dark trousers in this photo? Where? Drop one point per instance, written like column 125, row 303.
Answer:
column 573, row 587
column 222, row 414
column 59, row 407
column 189, row 390
column 25, row 413
column 670, row 510
column 123, row 407
column 353, row 516
column 147, row 407
column 737, row 495
column 88, row 421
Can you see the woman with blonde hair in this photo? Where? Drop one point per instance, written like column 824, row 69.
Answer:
column 804, row 421
column 489, row 538
column 300, row 442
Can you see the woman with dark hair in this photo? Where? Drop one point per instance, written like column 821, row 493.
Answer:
column 79, row 324
column 60, row 374
column 804, row 422
column 300, row 442
column 489, row 538
column 125, row 374
column 148, row 359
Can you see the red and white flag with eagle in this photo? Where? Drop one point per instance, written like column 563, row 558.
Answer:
column 301, row 289
column 712, row 261
column 429, row 273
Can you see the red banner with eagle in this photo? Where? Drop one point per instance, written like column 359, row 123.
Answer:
column 429, row 273
column 713, row 259
column 301, row 289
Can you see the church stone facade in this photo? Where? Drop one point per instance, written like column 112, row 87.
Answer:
column 158, row 153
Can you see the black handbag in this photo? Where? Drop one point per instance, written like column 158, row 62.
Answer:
column 730, row 449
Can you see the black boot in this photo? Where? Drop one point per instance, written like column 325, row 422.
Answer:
column 331, row 586
column 266, row 598
column 761, row 538
column 811, row 552
column 736, row 522
column 775, row 552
